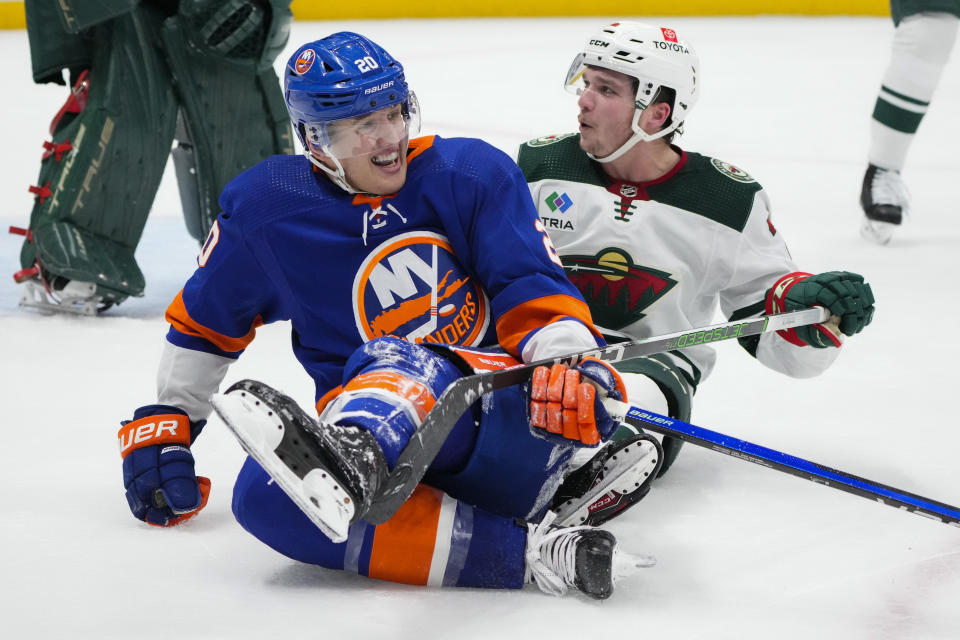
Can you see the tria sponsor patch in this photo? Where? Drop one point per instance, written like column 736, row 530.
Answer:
column 412, row 287
column 559, row 201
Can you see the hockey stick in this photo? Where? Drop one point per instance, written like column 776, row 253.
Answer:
column 784, row 462
column 423, row 447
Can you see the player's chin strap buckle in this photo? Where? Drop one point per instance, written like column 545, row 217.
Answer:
column 75, row 297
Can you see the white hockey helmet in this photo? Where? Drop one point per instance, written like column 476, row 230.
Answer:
column 656, row 57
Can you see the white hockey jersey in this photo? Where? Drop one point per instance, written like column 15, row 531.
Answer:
column 662, row 256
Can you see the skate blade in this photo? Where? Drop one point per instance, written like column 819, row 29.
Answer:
column 877, row 232
column 625, row 564
column 624, row 472
column 259, row 432
column 76, row 299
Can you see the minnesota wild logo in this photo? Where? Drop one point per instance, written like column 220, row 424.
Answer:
column 543, row 141
column 616, row 289
column 731, row 171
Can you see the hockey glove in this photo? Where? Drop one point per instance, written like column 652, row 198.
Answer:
column 848, row 298
column 567, row 402
column 162, row 487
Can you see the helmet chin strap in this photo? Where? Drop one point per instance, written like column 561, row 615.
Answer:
column 339, row 176
column 638, row 135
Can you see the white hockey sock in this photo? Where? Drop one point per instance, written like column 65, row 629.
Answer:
column 920, row 50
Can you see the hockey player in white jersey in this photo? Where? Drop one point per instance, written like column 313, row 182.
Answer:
column 656, row 238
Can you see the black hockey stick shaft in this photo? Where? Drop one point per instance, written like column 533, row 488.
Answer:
column 772, row 459
column 457, row 398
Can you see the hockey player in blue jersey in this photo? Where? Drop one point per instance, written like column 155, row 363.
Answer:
column 402, row 264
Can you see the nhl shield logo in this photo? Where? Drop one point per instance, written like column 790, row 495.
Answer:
column 305, row 61
column 413, row 287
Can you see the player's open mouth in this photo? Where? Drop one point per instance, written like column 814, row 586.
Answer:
column 386, row 159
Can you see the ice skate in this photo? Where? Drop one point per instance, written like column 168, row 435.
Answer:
column 585, row 558
column 613, row 480
column 885, row 201
column 60, row 296
column 331, row 472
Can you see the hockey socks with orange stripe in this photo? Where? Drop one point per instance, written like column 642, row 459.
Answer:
column 389, row 385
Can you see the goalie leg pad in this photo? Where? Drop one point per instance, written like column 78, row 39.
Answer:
column 100, row 173
column 52, row 47
column 232, row 110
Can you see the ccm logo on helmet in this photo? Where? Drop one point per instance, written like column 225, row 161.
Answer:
column 599, row 43
column 379, row 87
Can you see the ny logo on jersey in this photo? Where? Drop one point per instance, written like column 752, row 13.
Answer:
column 412, row 286
column 616, row 290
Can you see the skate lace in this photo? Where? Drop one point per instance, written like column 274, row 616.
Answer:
column 552, row 555
column 888, row 187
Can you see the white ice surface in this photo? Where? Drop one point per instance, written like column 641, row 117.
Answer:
column 743, row 552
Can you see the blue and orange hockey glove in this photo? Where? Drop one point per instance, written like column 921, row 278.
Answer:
column 158, row 475
column 567, row 402
column 848, row 298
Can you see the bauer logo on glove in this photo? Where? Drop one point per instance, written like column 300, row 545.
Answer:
column 158, row 473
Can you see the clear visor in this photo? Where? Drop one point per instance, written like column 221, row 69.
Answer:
column 370, row 133
column 576, row 85
column 574, row 81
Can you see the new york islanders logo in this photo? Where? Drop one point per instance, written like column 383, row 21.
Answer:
column 305, row 61
column 616, row 290
column 412, row 287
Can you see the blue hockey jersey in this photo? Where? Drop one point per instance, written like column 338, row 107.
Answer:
column 458, row 256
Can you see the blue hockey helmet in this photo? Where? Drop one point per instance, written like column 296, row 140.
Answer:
column 344, row 75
